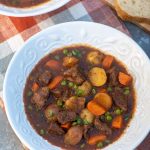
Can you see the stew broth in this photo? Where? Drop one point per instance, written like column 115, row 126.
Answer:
column 22, row 3
column 64, row 85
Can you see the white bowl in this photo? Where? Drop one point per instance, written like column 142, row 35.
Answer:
column 106, row 38
column 32, row 11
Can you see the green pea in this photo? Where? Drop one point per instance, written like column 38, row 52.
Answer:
column 126, row 88
column 75, row 86
column 63, row 106
column 74, row 52
column 57, row 57
column 78, row 54
column 85, row 122
column 59, row 103
column 64, row 82
column 99, row 145
column 79, row 92
column 42, row 132
column 127, row 117
column 107, row 113
column 70, row 84
column 65, row 51
column 74, row 123
column 30, row 107
column 51, row 113
column 107, row 141
column 69, row 54
column 79, row 120
column 126, row 92
column 29, row 93
column 109, row 89
column 118, row 111
column 93, row 91
column 82, row 145
column 37, row 108
column 109, row 118
column 102, row 117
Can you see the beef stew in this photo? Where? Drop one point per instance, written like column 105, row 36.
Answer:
column 79, row 98
column 22, row 3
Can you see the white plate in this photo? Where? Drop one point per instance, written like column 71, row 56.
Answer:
column 101, row 36
column 32, row 11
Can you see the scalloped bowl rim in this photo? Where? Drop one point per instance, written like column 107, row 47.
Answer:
column 32, row 11
column 83, row 25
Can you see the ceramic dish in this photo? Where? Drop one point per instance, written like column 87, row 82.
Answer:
column 32, row 11
column 100, row 36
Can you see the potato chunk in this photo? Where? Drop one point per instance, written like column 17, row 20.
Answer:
column 87, row 115
column 86, row 87
column 74, row 135
column 69, row 61
column 51, row 112
column 75, row 103
column 97, row 76
column 104, row 100
column 94, row 58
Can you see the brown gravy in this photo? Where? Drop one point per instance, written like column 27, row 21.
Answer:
column 37, row 118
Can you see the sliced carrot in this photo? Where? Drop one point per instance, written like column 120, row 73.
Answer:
column 124, row 78
column 107, row 62
column 95, row 108
column 97, row 138
column 53, row 64
column 117, row 122
column 35, row 87
column 55, row 82
column 66, row 126
column 103, row 90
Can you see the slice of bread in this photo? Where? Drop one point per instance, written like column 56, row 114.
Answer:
column 143, row 25
column 133, row 10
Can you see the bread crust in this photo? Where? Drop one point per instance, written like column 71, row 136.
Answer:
column 143, row 25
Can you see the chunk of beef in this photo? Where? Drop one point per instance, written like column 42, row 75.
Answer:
column 45, row 78
column 74, row 135
column 75, row 104
column 66, row 116
column 120, row 99
column 66, row 93
column 62, row 93
column 51, row 112
column 40, row 97
column 44, row 92
column 113, row 77
column 70, row 61
column 102, row 126
column 54, row 128
column 57, row 93
column 73, row 74
column 85, row 131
